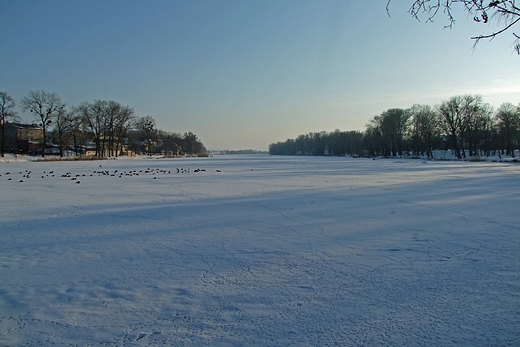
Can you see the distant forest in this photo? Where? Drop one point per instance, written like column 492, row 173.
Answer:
column 464, row 124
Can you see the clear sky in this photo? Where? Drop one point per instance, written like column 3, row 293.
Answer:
column 243, row 74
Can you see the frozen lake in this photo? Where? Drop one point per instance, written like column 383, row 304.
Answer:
column 260, row 251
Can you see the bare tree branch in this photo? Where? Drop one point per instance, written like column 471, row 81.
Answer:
column 505, row 13
column 45, row 108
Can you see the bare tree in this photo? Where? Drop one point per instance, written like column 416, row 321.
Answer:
column 45, row 107
column 466, row 121
column 390, row 128
column 508, row 119
column 7, row 114
column 424, row 128
column 122, row 123
column 476, row 120
column 374, row 138
column 63, row 128
column 112, row 110
column 146, row 125
column 106, row 122
column 78, row 135
column 93, row 118
column 451, row 115
column 505, row 13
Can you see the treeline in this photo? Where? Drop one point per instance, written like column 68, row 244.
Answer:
column 111, row 127
column 464, row 124
column 321, row 143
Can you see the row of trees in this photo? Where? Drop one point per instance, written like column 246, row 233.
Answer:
column 321, row 143
column 109, row 125
column 464, row 124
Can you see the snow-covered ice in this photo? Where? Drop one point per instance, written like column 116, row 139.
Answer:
column 270, row 251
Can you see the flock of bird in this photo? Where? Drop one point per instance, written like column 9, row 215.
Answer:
column 27, row 174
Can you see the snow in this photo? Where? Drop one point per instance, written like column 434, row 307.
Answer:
column 270, row 251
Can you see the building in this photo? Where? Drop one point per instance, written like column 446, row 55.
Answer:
column 22, row 138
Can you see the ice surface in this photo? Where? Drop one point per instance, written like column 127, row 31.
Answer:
column 270, row 251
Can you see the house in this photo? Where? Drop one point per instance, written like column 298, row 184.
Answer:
column 22, row 138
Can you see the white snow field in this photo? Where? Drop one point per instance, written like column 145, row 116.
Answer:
column 270, row 251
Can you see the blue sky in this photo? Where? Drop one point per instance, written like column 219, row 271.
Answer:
column 244, row 74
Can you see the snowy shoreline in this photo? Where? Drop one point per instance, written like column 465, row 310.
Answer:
column 447, row 155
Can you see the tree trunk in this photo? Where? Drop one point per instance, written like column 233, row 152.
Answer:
column 44, row 142
column 2, row 142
